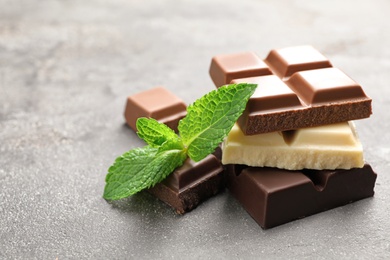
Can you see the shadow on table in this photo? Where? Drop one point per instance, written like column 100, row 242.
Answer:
column 140, row 203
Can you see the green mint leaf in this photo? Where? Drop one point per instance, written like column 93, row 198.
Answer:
column 211, row 118
column 142, row 168
column 207, row 122
column 153, row 132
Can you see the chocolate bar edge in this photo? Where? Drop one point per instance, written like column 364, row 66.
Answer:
column 298, row 118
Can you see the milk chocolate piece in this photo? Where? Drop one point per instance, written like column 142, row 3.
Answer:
column 191, row 184
column 346, row 106
column 157, row 103
column 315, row 94
column 286, row 61
column 225, row 68
column 273, row 196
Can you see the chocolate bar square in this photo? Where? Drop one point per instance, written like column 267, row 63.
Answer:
column 286, row 61
column 225, row 68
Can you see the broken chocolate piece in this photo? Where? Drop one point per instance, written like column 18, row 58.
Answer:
column 273, row 196
column 315, row 94
column 157, row 103
column 291, row 115
column 335, row 146
column 191, row 184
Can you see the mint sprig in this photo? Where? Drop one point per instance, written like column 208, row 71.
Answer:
column 140, row 169
column 208, row 121
column 211, row 118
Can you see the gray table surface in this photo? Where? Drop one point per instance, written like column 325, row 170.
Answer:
column 66, row 68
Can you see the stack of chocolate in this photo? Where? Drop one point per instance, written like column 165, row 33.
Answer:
column 294, row 152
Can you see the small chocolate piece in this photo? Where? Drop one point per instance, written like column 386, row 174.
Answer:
column 286, row 61
column 157, row 103
column 191, row 184
column 315, row 94
column 273, row 196
column 225, row 68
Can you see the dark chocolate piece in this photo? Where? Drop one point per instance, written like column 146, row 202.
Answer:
column 273, row 196
column 225, row 68
column 157, row 103
column 316, row 93
column 191, row 184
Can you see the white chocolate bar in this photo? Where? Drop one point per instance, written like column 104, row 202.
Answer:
column 334, row 146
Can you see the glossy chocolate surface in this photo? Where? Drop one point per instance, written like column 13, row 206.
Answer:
column 225, row 68
column 286, row 61
column 304, row 90
column 157, row 103
column 191, row 184
column 272, row 93
column 273, row 196
column 328, row 85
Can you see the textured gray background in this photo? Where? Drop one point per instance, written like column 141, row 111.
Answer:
column 66, row 68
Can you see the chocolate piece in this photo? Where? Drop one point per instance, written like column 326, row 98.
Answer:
column 337, row 99
column 284, row 62
column 191, row 184
column 273, row 196
column 316, row 94
column 225, row 68
column 157, row 103
column 333, row 146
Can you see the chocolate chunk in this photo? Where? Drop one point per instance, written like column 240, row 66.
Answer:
column 273, row 196
column 225, row 68
column 157, row 103
column 315, row 94
column 191, row 184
